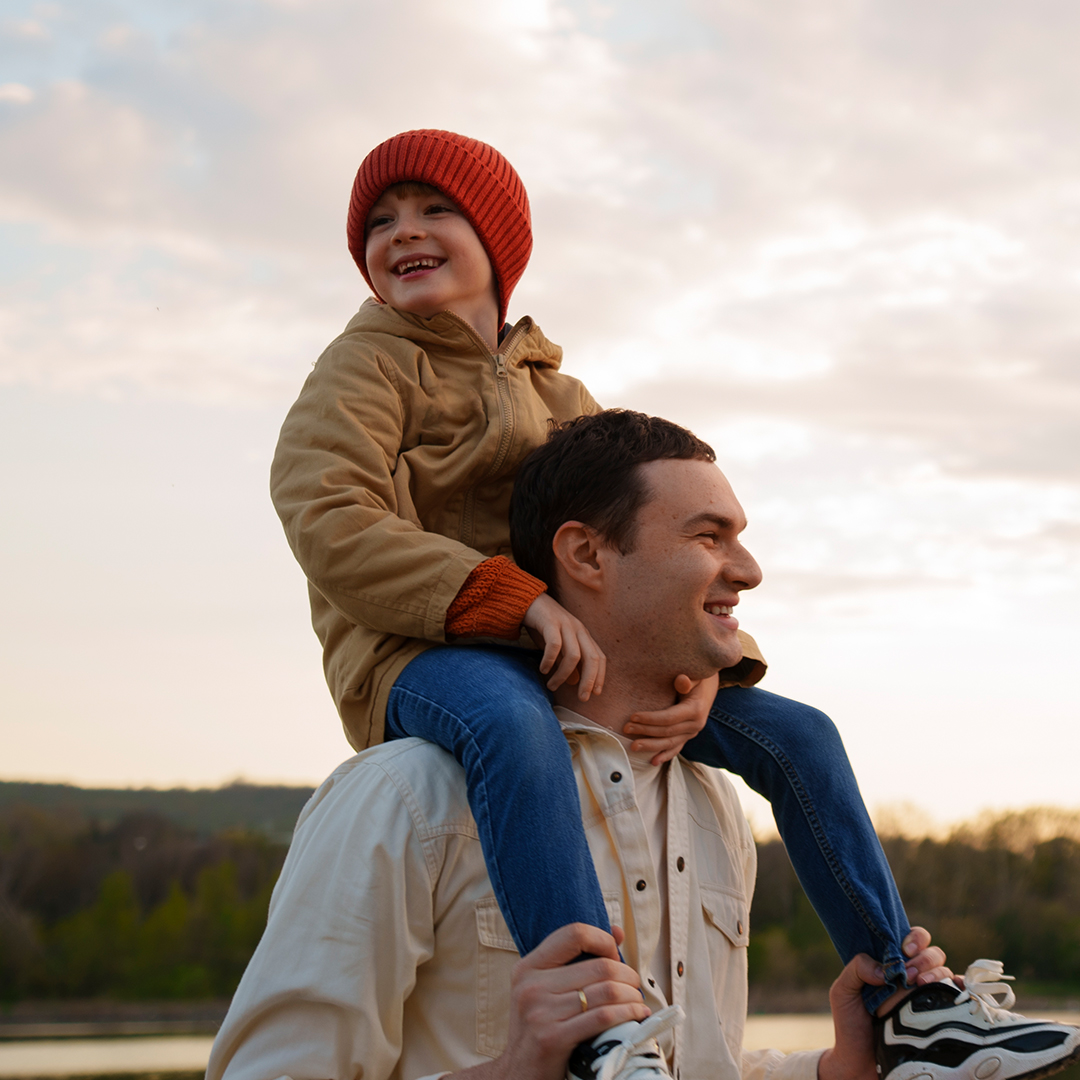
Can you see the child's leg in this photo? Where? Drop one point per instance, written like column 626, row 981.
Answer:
column 488, row 707
column 792, row 754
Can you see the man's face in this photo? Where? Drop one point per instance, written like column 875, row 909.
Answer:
column 424, row 257
column 671, row 598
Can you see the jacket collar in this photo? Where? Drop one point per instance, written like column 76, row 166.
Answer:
column 523, row 343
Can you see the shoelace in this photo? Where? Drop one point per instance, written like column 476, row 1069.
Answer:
column 639, row 1054
column 983, row 981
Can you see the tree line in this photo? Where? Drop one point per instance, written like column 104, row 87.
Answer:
column 1006, row 887
column 144, row 908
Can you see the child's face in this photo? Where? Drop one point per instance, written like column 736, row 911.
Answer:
column 424, row 257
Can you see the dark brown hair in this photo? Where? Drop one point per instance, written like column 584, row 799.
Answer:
column 587, row 471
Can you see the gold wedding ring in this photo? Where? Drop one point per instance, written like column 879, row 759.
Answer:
column 584, row 1001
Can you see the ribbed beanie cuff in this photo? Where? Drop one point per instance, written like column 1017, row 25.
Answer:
column 476, row 176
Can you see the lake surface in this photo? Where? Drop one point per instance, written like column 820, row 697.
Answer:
column 71, row 1057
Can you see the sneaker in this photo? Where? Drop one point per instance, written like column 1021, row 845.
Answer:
column 940, row 1032
column 626, row 1052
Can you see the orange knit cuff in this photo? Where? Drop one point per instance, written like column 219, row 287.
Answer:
column 493, row 601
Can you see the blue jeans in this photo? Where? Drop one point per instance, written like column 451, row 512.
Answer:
column 489, row 708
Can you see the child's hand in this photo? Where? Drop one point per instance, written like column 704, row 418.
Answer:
column 565, row 639
column 669, row 730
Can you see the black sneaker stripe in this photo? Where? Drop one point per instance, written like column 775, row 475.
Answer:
column 900, row 1028
column 953, row 1052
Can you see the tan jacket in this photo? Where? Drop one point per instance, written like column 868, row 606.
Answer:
column 385, row 955
column 393, row 476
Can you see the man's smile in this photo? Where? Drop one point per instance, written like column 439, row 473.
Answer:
column 725, row 613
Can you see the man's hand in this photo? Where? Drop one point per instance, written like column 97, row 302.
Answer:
column 852, row 1056
column 546, row 1016
column 565, row 640
column 666, row 732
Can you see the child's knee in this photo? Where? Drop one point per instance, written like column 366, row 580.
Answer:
column 800, row 731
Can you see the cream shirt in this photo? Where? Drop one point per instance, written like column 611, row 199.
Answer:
column 650, row 794
column 385, row 955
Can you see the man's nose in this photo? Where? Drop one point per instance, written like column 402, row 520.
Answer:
column 743, row 571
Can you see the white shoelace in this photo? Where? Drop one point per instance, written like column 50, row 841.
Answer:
column 623, row 1060
column 983, row 981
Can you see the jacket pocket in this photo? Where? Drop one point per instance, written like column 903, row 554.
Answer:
column 728, row 912
column 496, row 956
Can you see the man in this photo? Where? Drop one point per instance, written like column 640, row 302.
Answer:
column 385, row 955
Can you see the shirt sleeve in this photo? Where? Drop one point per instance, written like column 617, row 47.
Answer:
column 493, row 601
column 350, row 922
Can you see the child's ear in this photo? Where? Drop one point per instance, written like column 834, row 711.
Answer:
column 577, row 547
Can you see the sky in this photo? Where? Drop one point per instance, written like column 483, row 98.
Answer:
column 838, row 240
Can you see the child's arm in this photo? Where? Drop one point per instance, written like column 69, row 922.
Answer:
column 344, row 500
column 350, row 506
column 498, row 598
column 568, row 648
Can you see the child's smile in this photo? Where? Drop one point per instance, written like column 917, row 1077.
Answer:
column 424, row 257
column 412, row 267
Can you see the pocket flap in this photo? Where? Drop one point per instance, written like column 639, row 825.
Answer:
column 492, row 931
column 491, row 927
column 728, row 912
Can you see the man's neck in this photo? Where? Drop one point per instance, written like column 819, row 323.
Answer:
column 622, row 697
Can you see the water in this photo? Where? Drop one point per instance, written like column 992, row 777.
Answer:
column 177, row 1053
column 83, row 1057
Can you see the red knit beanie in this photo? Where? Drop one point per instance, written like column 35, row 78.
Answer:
column 476, row 176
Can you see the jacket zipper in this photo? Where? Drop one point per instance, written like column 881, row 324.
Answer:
column 506, row 412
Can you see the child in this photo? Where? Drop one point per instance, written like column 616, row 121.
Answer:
column 392, row 478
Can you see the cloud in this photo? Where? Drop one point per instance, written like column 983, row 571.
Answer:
column 839, row 240
column 858, row 219
column 16, row 93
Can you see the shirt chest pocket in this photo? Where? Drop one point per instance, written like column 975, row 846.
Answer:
column 727, row 912
column 496, row 956
column 727, row 934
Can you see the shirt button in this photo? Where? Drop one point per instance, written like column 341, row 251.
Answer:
column 738, row 926
column 680, row 969
column 652, row 982
column 680, row 863
column 641, row 885
column 616, row 777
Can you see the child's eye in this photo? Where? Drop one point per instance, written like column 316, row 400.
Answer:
column 439, row 208
column 379, row 219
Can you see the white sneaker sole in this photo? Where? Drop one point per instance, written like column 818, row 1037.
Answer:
column 991, row 1063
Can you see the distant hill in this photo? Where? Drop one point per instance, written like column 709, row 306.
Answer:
column 268, row 809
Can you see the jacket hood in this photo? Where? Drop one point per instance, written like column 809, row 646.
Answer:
column 525, row 340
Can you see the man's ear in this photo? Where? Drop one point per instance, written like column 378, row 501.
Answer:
column 577, row 547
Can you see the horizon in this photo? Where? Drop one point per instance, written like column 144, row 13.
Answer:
column 905, row 819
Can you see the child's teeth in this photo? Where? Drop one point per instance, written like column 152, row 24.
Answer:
column 418, row 264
